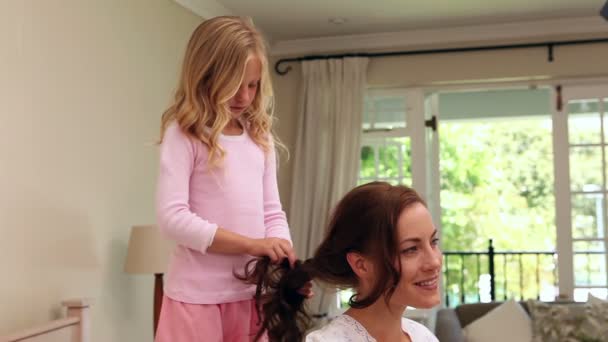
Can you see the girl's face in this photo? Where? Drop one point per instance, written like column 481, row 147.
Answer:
column 420, row 259
column 248, row 88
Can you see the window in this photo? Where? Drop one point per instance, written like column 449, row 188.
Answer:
column 587, row 158
column 385, row 144
column 565, row 197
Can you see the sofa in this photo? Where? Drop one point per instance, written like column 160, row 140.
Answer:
column 450, row 322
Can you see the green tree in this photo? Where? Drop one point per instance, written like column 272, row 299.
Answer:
column 496, row 183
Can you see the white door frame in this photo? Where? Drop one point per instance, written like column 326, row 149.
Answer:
column 562, row 184
column 423, row 176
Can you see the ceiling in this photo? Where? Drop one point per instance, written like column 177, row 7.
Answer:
column 288, row 20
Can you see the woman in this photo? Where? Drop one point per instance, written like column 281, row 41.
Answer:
column 381, row 242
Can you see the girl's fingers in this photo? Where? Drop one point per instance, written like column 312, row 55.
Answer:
column 279, row 253
column 289, row 253
column 272, row 254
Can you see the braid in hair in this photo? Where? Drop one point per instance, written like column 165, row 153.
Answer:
column 279, row 304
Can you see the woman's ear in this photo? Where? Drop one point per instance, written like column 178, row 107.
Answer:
column 360, row 265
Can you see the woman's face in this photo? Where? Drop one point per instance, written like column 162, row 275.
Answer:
column 420, row 259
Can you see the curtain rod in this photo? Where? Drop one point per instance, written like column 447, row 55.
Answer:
column 549, row 44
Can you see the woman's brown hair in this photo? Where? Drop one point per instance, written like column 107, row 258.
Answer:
column 364, row 221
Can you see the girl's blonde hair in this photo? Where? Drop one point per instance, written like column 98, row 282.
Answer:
column 212, row 71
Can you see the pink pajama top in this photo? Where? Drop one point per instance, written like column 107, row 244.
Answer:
column 240, row 195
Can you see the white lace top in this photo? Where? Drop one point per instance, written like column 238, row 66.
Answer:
column 346, row 329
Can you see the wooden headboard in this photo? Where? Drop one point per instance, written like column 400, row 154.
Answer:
column 73, row 328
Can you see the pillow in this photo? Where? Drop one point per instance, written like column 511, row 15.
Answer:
column 507, row 322
column 591, row 299
column 556, row 322
column 595, row 325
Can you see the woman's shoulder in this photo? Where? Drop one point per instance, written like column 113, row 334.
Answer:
column 417, row 331
column 346, row 329
column 342, row 329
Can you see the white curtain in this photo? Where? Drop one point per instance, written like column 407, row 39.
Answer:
column 326, row 154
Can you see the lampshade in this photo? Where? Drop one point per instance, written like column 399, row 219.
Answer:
column 148, row 251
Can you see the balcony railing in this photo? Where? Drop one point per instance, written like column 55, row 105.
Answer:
column 471, row 277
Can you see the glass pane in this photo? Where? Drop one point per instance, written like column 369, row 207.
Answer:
column 395, row 158
column 587, row 216
column 497, row 183
column 406, row 159
column 589, row 246
column 388, row 104
column 605, row 119
column 589, row 269
column 368, row 114
column 344, row 298
column 390, row 120
column 386, row 159
column 586, row 168
column 584, row 123
column 582, row 295
column 392, row 181
column 389, row 161
column 367, row 167
column 390, row 112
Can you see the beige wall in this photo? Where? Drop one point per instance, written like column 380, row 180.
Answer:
column 423, row 70
column 82, row 87
column 286, row 89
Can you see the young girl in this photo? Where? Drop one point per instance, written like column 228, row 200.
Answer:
column 217, row 193
column 382, row 243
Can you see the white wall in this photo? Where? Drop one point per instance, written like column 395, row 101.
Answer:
column 82, row 87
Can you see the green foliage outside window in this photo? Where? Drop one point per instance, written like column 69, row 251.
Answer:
column 496, row 183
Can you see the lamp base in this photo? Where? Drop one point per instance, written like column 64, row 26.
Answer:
column 158, row 298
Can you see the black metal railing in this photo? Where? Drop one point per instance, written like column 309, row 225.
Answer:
column 531, row 271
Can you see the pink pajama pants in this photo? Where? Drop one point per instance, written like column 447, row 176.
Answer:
column 229, row 322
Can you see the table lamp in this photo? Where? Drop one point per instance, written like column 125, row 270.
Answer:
column 148, row 253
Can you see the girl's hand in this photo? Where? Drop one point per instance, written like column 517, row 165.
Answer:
column 274, row 248
column 278, row 249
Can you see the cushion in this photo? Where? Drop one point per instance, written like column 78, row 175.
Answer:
column 468, row 313
column 558, row 322
column 507, row 322
column 595, row 324
column 591, row 299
